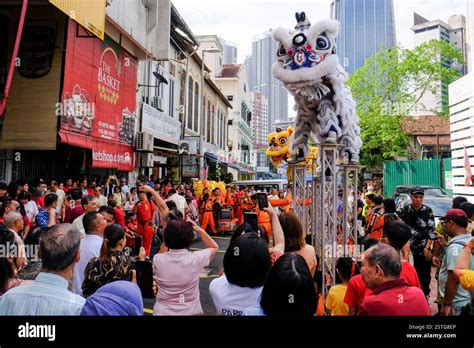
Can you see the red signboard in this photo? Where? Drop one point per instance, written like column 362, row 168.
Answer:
column 99, row 99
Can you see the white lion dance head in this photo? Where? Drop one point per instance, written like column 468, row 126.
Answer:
column 309, row 68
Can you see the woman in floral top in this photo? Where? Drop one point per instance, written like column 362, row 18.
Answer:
column 112, row 264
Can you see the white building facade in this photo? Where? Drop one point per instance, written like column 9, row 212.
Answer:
column 233, row 84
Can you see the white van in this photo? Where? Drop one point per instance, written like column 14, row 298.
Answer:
column 261, row 185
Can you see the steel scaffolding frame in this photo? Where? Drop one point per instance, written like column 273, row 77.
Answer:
column 320, row 218
column 349, row 198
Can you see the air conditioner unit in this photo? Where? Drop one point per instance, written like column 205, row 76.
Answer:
column 144, row 142
column 158, row 103
column 147, row 160
column 188, row 146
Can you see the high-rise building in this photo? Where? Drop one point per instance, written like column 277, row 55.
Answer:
column 470, row 35
column 230, row 52
column 454, row 32
column 250, row 74
column 263, row 55
column 366, row 27
column 259, row 119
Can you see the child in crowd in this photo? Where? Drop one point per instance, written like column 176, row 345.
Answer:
column 131, row 228
column 335, row 299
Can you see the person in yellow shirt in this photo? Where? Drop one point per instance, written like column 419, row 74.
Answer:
column 464, row 269
column 335, row 299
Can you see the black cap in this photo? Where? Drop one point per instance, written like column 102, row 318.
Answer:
column 417, row 191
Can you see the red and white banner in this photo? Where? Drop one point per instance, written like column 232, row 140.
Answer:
column 99, row 98
column 104, row 153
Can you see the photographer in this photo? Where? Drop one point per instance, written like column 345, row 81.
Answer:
column 110, row 185
column 177, row 271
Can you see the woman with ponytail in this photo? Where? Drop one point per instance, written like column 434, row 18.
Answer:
column 112, row 264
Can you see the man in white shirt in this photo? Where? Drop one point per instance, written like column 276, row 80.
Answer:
column 179, row 200
column 124, row 187
column 31, row 209
column 94, row 225
column 89, row 204
column 48, row 294
column 101, row 199
column 14, row 222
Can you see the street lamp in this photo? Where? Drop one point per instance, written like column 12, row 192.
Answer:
column 201, row 110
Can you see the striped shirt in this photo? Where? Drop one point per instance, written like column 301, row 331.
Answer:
column 47, row 295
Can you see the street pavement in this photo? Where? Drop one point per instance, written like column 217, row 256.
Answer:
column 206, row 277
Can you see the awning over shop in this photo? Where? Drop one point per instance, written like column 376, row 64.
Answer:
column 233, row 165
column 211, row 156
column 105, row 154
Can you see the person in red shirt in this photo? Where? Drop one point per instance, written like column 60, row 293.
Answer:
column 132, row 228
column 146, row 213
column 356, row 290
column 396, row 234
column 68, row 186
column 76, row 195
column 391, row 295
column 38, row 197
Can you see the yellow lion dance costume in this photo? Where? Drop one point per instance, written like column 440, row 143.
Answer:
column 279, row 150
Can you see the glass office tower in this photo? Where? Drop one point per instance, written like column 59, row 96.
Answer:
column 366, row 26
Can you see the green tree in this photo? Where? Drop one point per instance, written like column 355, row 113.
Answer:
column 390, row 86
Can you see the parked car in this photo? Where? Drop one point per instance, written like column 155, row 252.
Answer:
column 439, row 204
column 429, row 190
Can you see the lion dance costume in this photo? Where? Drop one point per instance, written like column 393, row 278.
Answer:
column 279, row 151
column 309, row 68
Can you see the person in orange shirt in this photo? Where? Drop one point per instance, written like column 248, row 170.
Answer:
column 263, row 217
column 207, row 216
column 239, row 214
column 247, row 203
column 375, row 219
column 230, row 200
column 146, row 213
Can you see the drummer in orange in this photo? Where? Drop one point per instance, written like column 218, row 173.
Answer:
column 238, row 207
column 217, row 196
column 207, row 216
column 230, row 199
column 247, row 203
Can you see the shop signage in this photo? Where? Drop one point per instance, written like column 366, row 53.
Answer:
column 99, row 98
column 189, row 167
column 159, row 124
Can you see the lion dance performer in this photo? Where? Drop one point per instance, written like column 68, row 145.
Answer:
column 309, row 68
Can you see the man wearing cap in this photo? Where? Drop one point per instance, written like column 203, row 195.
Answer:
column 421, row 220
column 455, row 297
